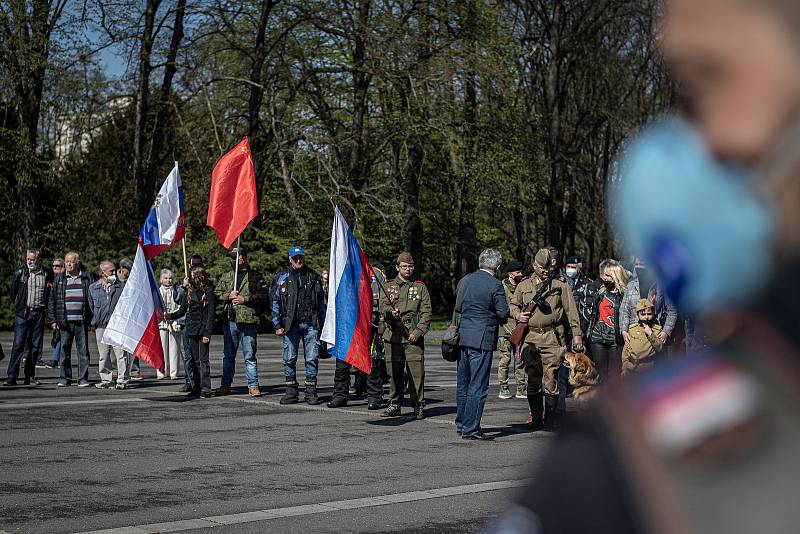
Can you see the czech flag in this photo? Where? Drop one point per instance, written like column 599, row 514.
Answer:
column 164, row 225
column 134, row 323
column 348, row 321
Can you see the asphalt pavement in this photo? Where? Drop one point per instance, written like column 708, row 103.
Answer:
column 147, row 459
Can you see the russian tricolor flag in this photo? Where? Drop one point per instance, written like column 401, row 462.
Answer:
column 348, row 321
column 134, row 324
column 164, row 225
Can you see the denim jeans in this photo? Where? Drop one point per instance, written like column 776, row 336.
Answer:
column 291, row 343
column 74, row 331
column 32, row 326
column 188, row 362
column 235, row 334
column 472, row 386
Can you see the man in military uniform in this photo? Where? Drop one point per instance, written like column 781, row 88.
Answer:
column 240, row 316
column 406, row 308
column 544, row 345
column 507, row 358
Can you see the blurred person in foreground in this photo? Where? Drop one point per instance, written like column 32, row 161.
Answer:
column 706, row 443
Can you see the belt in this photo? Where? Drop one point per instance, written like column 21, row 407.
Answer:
column 542, row 330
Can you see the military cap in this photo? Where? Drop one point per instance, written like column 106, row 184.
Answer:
column 513, row 266
column 543, row 257
column 405, row 257
column 574, row 259
column 125, row 263
column 643, row 304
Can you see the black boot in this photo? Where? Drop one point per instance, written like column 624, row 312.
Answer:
column 419, row 415
column 311, row 393
column 290, row 396
column 537, row 411
column 551, row 413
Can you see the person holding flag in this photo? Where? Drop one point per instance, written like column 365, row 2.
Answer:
column 241, row 309
column 198, row 306
column 348, row 318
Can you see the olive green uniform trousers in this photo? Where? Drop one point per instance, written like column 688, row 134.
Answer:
column 405, row 358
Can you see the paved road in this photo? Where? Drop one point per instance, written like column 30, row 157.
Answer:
column 147, row 460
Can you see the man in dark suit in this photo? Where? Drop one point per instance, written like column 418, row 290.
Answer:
column 482, row 303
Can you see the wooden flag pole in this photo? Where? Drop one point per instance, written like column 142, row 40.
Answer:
column 185, row 264
column 236, row 268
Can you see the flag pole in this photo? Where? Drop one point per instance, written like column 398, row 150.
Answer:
column 185, row 264
column 236, row 268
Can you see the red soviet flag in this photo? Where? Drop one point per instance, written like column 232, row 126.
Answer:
column 233, row 203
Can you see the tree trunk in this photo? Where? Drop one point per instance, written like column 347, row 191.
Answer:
column 142, row 193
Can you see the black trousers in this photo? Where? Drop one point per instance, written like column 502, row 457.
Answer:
column 341, row 381
column 607, row 359
column 201, row 372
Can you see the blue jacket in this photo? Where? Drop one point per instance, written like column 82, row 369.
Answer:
column 102, row 303
column 483, row 309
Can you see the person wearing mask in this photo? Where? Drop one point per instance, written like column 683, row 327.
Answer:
column 604, row 333
column 30, row 289
column 406, row 309
column 170, row 330
column 242, row 298
column 705, row 443
column 544, row 345
column 482, row 305
column 583, row 290
column 69, row 311
column 198, row 307
column 103, row 297
column 55, row 342
column 298, row 307
column 512, row 279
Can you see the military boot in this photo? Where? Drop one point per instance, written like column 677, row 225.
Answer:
column 536, row 417
column 419, row 415
column 291, row 395
column 311, row 393
column 551, row 416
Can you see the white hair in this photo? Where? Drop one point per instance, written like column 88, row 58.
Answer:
column 490, row 259
column 167, row 272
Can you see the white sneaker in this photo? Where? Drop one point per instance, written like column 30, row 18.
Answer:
column 505, row 393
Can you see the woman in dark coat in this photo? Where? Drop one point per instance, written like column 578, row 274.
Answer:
column 198, row 306
column 603, row 333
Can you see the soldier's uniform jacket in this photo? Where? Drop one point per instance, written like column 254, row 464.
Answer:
column 562, row 306
column 507, row 329
column 252, row 287
column 641, row 347
column 414, row 303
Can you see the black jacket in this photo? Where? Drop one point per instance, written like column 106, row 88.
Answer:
column 19, row 289
column 594, row 318
column 284, row 299
column 56, row 303
column 584, row 291
column 199, row 320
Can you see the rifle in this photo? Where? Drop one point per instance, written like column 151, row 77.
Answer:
column 393, row 304
column 521, row 330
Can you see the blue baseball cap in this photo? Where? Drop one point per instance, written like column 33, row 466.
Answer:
column 296, row 251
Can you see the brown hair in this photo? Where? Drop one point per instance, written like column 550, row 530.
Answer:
column 198, row 280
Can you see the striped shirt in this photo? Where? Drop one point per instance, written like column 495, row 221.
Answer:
column 74, row 298
column 35, row 289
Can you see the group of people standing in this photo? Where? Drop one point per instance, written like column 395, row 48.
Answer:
column 622, row 321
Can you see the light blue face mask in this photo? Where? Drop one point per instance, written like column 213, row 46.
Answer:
column 699, row 223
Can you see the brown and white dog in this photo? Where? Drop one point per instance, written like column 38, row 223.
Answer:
column 583, row 377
